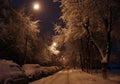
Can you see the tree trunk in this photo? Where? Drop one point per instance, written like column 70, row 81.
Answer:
column 25, row 53
column 81, row 55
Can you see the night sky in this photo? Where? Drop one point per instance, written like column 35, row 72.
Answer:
column 48, row 14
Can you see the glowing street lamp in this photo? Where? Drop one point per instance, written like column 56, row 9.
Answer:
column 53, row 49
column 36, row 6
column 54, row 44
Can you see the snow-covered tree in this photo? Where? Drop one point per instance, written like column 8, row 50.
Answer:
column 18, row 34
column 92, row 24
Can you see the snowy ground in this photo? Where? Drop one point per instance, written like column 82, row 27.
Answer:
column 77, row 77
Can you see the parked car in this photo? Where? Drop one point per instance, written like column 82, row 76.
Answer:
column 45, row 71
column 11, row 73
column 52, row 69
column 48, row 70
column 32, row 71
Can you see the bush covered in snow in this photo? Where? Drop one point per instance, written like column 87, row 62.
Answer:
column 35, row 71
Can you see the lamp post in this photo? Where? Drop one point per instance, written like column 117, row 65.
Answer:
column 36, row 7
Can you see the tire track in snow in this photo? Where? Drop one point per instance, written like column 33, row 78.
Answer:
column 66, row 80
column 68, row 77
column 51, row 80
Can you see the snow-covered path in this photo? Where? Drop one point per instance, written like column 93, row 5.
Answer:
column 73, row 77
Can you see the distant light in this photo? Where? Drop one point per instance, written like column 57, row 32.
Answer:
column 36, row 6
column 54, row 44
column 56, row 52
column 53, row 49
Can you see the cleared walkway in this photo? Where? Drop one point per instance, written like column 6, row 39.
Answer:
column 73, row 77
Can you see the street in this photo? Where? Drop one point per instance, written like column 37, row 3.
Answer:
column 73, row 77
